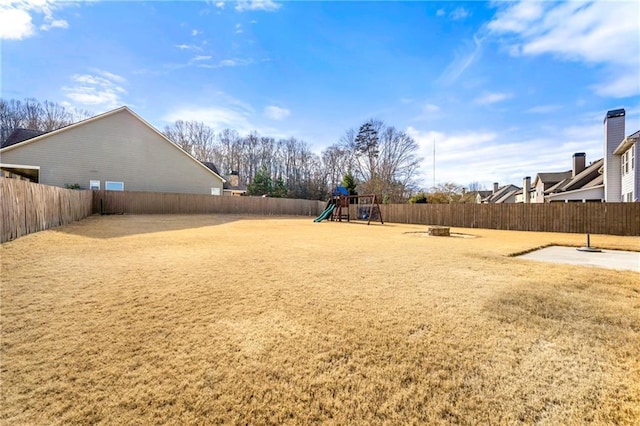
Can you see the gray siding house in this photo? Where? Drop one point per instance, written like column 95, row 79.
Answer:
column 116, row 150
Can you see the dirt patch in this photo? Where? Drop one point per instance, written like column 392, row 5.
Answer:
column 451, row 234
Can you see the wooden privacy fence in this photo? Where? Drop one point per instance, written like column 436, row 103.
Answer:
column 28, row 207
column 115, row 202
column 596, row 218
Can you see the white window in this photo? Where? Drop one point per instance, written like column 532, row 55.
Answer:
column 631, row 153
column 94, row 185
column 625, row 163
column 215, row 191
column 114, row 186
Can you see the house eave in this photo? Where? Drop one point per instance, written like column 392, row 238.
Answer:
column 624, row 146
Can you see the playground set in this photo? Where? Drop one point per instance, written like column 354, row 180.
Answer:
column 338, row 207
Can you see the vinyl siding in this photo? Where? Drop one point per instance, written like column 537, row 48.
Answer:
column 119, row 148
column 628, row 179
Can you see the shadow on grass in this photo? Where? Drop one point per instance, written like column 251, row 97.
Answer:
column 117, row 226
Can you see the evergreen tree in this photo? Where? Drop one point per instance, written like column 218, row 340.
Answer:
column 349, row 182
column 262, row 183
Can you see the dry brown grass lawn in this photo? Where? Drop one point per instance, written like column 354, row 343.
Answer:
column 226, row 319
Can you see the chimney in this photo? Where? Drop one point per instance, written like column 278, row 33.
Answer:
column 579, row 163
column 526, row 185
column 233, row 178
column 495, row 187
column 613, row 135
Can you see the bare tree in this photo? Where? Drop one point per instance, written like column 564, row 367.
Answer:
column 385, row 160
column 194, row 137
column 55, row 116
column 34, row 115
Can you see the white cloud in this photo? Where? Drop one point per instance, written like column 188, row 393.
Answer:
column 15, row 24
column 217, row 117
column 265, row 5
column 220, row 5
column 620, row 86
column 17, row 17
column 492, row 98
column 430, row 108
column 195, row 32
column 600, row 33
column 238, row 29
column 276, row 113
column 235, row 62
column 55, row 23
column 487, row 156
column 543, row 109
column 459, row 13
column 201, row 58
column 462, row 60
column 440, row 12
column 100, row 89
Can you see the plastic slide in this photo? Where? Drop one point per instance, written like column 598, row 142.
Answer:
column 325, row 214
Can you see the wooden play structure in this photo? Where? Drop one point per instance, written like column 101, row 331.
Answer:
column 339, row 207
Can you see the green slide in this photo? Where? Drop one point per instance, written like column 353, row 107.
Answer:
column 325, row 214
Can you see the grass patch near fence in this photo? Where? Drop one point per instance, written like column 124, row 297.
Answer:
column 230, row 319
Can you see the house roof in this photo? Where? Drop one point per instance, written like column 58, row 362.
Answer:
column 584, row 177
column 500, row 193
column 597, row 181
column 553, row 177
column 228, row 186
column 627, row 143
column 506, row 195
column 20, row 135
column 211, row 166
column 99, row 117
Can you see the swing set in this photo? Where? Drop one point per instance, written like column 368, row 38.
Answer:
column 339, row 207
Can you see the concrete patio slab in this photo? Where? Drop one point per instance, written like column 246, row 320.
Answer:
column 610, row 259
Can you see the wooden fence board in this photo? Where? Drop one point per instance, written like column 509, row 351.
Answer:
column 28, row 207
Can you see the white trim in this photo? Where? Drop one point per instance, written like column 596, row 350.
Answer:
column 19, row 166
column 91, row 182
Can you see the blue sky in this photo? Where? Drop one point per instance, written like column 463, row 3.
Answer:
column 505, row 89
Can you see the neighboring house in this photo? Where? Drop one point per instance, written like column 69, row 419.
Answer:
column 586, row 184
column 481, row 195
column 629, row 170
column 613, row 178
column 231, row 186
column 504, row 194
column 544, row 182
column 116, row 150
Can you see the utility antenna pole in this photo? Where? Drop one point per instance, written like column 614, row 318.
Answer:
column 434, row 163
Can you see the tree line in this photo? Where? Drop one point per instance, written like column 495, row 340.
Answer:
column 35, row 115
column 378, row 158
column 374, row 158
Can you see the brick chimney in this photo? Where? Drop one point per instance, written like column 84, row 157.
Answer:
column 579, row 163
column 495, row 187
column 613, row 135
column 233, row 178
column 526, row 184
